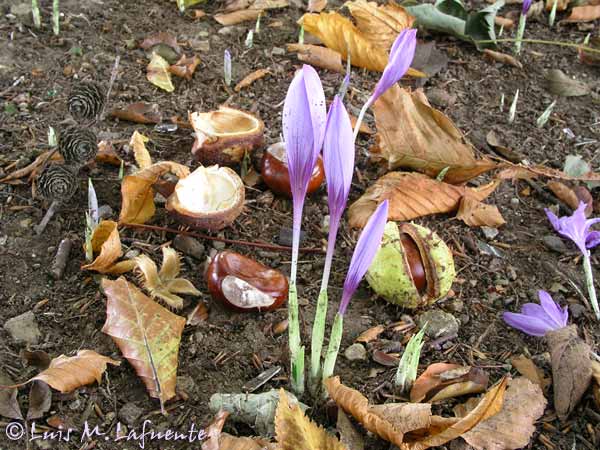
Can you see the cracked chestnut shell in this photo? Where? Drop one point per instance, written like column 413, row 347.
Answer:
column 243, row 285
column 413, row 266
column 225, row 135
column 274, row 171
column 210, row 198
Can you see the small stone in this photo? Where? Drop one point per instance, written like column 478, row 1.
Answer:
column 200, row 45
column 577, row 310
column 105, row 212
column 440, row 98
column 186, row 384
column 439, row 323
column 489, row 232
column 277, row 51
column 130, row 413
column 132, row 254
column 285, row 237
column 189, row 246
column 25, row 223
column 555, row 243
column 230, row 30
column 514, row 202
column 456, row 305
column 356, row 352
column 23, row 328
column 325, row 223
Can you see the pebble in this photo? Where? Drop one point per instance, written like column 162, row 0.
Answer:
column 200, row 45
column 325, row 223
column 230, row 30
column 277, row 51
column 440, row 98
column 555, row 243
column 189, row 246
column 489, row 232
column 186, row 384
column 356, row 352
column 105, row 212
column 285, row 236
column 576, row 310
column 23, row 328
column 456, row 305
column 130, row 413
column 439, row 323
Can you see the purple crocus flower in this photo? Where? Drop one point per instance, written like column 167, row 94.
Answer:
column 400, row 59
column 577, row 228
column 536, row 320
column 526, row 6
column 364, row 252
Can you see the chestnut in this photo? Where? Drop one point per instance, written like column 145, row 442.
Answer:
column 242, row 284
column 275, row 171
column 210, row 198
column 415, row 263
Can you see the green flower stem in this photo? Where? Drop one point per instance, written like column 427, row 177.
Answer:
column 35, row 11
column 543, row 42
column 56, row 17
column 298, row 372
column 293, row 320
column 552, row 15
column 335, row 340
column 589, row 280
column 520, row 33
column 296, row 351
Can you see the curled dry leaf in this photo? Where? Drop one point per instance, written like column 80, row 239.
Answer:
column 521, row 172
column 371, row 334
column 185, row 67
column 163, row 38
column 584, row 14
column 106, row 243
column 441, row 381
column 571, row 368
column 138, row 195
column 29, row 169
column 147, row 334
column 164, row 285
column 295, row 431
column 107, row 154
column 412, row 195
column 139, row 112
column 234, row 5
column 67, row 373
column 236, row 17
column 213, row 431
column 596, row 371
column 477, row 214
column 40, row 400
column 9, row 405
column 503, row 58
column 351, row 438
column 198, row 315
column 564, row 193
column 251, row 78
column 318, row 56
column 316, row 5
column 561, row 5
column 560, row 84
column 158, row 73
column 140, row 152
column 584, row 195
column 529, row 370
column 513, row 427
column 412, row 134
column 505, row 22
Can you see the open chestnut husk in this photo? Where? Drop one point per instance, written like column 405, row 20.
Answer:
column 242, row 284
column 209, row 198
column 225, row 135
column 274, row 171
column 413, row 267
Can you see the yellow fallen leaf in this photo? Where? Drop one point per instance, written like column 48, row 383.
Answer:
column 107, row 244
column 140, row 153
column 158, row 73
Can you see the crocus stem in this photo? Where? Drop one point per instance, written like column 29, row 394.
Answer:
column 35, row 11
column 56, row 17
column 361, row 116
column 298, row 372
column 520, row 33
column 335, row 339
column 552, row 15
column 589, row 280
column 296, row 352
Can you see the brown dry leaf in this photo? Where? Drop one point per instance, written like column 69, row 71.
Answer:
column 583, row 14
column 29, row 169
column 164, row 285
column 161, row 37
column 234, row 5
column 137, row 193
column 106, row 243
column 596, row 371
column 40, row 400
column 318, row 56
column 316, row 5
column 389, row 421
column 505, row 22
column 441, row 381
column 351, row 438
column 380, row 24
column 561, row 5
column 198, row 315
column 236, row 17
column 158, row 73
column 371, row 334
column 571, row 368
column 139, row 112
column 229, row 442
column 529, row 370
column 412, row 134
column 147, row 334
column 503, row 58
column 107, row 154
column 185, row 67
column 477, row 214
column 588, row 57
column 521, row 172
column 213, row 431
column 564, row 193
column 251, row 78
column 339, row 34
column 140, row 152
column 513, row 426
column 67, row 373
column 295, row 431
column 412, row 195
column 9, row 404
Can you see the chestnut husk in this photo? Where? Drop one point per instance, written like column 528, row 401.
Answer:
column 390, row 274
column 225, row 147
column 265, row 279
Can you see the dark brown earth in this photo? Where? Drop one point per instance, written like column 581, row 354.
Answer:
column 70, row 312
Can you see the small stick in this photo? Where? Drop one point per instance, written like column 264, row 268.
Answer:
column 49, row 214
column 227, row 241
column 60, row 260
column 113, row 77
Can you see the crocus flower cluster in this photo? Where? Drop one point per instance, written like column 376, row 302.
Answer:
column 522, row 22
column 577, row 228
column 537, row 320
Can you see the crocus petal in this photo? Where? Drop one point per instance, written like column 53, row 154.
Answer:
column 536, row 311
column 400, row 59
column 593, row 239
column 304, row 116
column 338, row 157
column 554, row 221
column 574, row 227
column 526, row 6
column 554, row 312
column 364, row 252
column 527, row 324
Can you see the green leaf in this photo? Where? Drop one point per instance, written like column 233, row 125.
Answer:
column 480, row 25
column 452, row 7
column 431, row 18
column 10, row 109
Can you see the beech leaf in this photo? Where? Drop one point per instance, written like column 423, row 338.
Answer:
column 140, row 152
column 107, row 244
column 185, row 67
column 158, row 73
column 139, row 112
column 441, row 381
column 295, row 431
column 477, row 214
column 412, row 134
column 529, row 370
column 318, row 56
column 9, row 405
column 412, row 195
column 40, row 400
column 586, row 13
column 147, row 334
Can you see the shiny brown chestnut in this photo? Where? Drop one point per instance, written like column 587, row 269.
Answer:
column 415, row 263
column 243, row 285
column 275, row 171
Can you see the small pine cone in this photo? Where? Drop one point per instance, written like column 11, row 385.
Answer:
column 57, row 182
column 86, row 101
column 77, row 145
